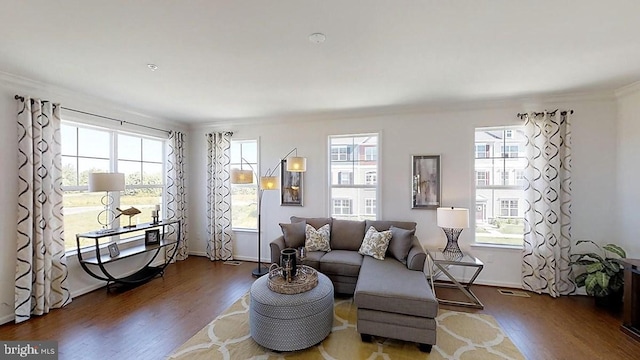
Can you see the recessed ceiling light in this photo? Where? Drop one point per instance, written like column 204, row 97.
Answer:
column 152, row 67
column 317, row 38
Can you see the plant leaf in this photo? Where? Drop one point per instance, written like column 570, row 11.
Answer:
column 613, row 248
column 580, row 279
column 595, row 267
column 602, row 279
column 582, row 262
column 590, row 284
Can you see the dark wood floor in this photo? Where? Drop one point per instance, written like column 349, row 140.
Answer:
column 152, row 320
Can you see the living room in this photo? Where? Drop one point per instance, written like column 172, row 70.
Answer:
column 605, row 129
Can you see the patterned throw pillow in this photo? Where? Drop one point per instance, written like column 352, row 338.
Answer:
column 375, row 243
column 317, row 240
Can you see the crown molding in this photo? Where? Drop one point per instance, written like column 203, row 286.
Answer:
column 412, row 109
column 628, row 89
column 111, row 109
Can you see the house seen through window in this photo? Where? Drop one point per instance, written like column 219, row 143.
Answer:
column 354, row 176
column 499, row 181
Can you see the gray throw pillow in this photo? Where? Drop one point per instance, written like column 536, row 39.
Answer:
column 400, row 244
column 294, row 234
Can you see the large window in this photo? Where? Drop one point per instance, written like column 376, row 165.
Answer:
column 89, row 149
column 354, row 176
column 244, row 197
column 499, row 169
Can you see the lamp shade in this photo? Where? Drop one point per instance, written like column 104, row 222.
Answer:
column 106, row 182
column 239, row 176
column 269, row 183
column 296, row 164
column 453, row 218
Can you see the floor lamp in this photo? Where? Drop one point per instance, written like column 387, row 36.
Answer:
column 267, row 182
column 106, row 182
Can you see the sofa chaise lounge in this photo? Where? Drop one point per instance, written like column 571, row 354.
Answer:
column 393, row 297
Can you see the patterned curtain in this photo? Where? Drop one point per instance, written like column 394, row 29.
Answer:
column 41, row 268
column 547, row 238
column 219, row 245
column 176, row 192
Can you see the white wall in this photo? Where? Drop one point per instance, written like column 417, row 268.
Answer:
column 448, row 133
column 79, row 281
column 629, row 170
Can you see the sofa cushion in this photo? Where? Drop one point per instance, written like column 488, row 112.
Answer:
column 347, row 234
column 375, row 243
column 341, row 262
column 317, row 239
column 313, row 259
column 382, row 225
column 389, row 286
column 315, row 222
column 294, row 234
column 400, row 243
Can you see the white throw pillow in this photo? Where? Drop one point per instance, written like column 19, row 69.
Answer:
column 375, row 243
column 317, row 240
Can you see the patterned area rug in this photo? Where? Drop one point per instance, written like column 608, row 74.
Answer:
column 460, row 336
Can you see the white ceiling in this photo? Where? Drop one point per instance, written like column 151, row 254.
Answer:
column 228, row 59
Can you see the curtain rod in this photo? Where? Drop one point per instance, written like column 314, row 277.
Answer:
column 21, row 98
column 543, row 112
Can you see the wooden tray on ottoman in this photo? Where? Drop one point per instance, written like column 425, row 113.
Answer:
column 305, row 280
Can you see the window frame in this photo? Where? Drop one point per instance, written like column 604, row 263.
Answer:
column 253, row 167
column 113, row 167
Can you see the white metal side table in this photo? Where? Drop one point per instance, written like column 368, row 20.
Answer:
column 441, row 263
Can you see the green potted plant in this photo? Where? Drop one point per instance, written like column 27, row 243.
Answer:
column 604, row 276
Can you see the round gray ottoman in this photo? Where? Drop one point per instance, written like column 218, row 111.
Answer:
column 290, row 322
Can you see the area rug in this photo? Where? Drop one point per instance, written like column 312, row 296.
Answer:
column 460, row 336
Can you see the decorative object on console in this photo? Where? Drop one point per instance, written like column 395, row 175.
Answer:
column 426, row 181
column 305, row 280
column 152, row 237
column 130, row 212
column 113, row 250
column 155, row 215
column 106, row 182
column 452, row 221
column 267, row 182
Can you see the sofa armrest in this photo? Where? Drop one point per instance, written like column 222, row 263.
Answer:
column 277, row 245
column 417, row 256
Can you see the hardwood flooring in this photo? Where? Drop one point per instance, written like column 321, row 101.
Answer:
column 150, row 321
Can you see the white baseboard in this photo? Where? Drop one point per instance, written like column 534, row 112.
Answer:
column 7, row 319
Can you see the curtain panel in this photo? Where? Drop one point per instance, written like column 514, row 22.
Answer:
column 41, row 269
column 547, row 219
column 176, row 192
column 219, row 244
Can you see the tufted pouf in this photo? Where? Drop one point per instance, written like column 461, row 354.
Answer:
column 290, row 322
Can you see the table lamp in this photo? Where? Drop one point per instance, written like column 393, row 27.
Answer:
column 452, row 221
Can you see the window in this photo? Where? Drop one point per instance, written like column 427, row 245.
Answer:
column 370, row 206
column 244, row 197
column 510, row 151
column 342, row 207
column 482, row 178
column 370, row 153
column 345, row 178
column 370, row 178
column 340, row 153
column 90, row 149
column 483, row 151
column 354, row 179
column 509, row 208
column 499, row 190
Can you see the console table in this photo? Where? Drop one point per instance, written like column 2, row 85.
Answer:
column 95, row 263
column 630, row 312
column 440, row 263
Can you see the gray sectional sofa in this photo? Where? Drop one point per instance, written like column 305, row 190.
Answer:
column 393, row 297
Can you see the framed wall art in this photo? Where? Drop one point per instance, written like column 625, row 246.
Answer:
column 426, row 183
column 290, row 186
column 152, row 237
